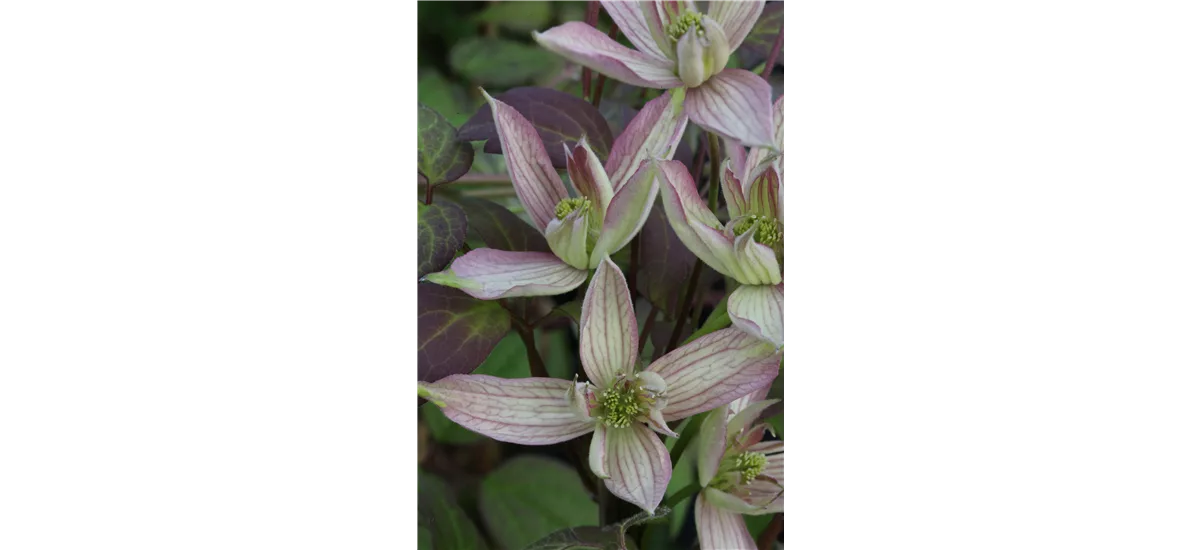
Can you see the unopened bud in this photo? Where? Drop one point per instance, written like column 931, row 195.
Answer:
column 701, row 50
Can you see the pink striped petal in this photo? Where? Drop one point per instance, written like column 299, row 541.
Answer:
column 587, row 175
column 733, row 503
column 608, row 337
column 583, row 44
column 763, row 496
column 758, row 310
column 639, row 465
column 653, row 134
column 657, row 423
column 534, row 179
column 656, row 22
column 627, row 212
column 720, row 529
column 568, row 238
column 736, row 18
column 597, row 453
column 713, row 370
column 489, row 274
column 763, row 195
column 690, row 217
column 632, row 21
column 740, row 404
column 731, row 187
column 774, row 452
column 710, row 444
column 748, row 415
column 734, row 103
column 528, row 411
column 778, row 116
column 757, row 263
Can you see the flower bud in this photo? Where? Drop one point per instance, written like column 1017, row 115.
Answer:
column 701, row 51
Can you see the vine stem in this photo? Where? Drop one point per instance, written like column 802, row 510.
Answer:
column 767, row 538
column 775, row 49
column 536, row 367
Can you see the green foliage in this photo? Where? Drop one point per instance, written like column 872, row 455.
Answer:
column 517, row 16
column 441, row 156
column 532, row 496
column 444, row 430
column 438, row 512
column 500, row 62
column 441, row 230
column 581, row 538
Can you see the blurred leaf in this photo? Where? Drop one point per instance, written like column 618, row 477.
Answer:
column 717, row 320
column 441, row 230
column 438, row 511
column 622, row 527
column 424, row 538
column 756, row 524
column 580, row 538
column 559, row 118
column 572, row 310
column 517, row 16
column 571, row 11
column 501, row 229
column 776, row 423
column 445, row 430
column 757, row 46
column 558, row 353
column 507, row 360
column 441, row 156
column 445, row 97
column 532, row 496
column 502, row 63
column 665, row 263
column 455, row 332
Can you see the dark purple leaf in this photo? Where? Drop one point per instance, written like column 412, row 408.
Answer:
column 558, row 116
column 664, row 262
column 455, row 332
column 441, row 230
column 441, row 156
column 500, row 229
column 758, row 43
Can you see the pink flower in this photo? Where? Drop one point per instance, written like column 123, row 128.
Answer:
column 621, row 404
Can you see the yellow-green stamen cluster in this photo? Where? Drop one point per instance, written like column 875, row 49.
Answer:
column 750, row 465
column 621, row 405
column 769, row 232
column 685, row 22
column 566, row 206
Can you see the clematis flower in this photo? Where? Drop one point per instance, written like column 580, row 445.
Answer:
column 612, row 202
column 678, row 47
column 620, row 403
column 747, row 249
column 739, row 473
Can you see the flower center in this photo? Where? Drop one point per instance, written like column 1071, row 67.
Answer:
column 684, row 23
column 623, row 403
column 566, row 206
column 750, row 464
column 769, row 232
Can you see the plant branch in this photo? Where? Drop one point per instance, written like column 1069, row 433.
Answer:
column 767, row 538
column 646, row 329
column 593, row 17
column 775, row 49
column 714, row 167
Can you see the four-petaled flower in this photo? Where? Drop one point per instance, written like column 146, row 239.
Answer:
column 610, row 206
column 678, row 47
column 739, row 473
column 622, row 404
column 748, row 248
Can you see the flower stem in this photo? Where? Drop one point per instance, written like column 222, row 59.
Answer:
column 593, row 17
column 612, row 33
column 634, row 251
column 684, row 302
column 714, row 167
column 646, row 329
column 536, row 367
column 766, row 540
column 775, row 49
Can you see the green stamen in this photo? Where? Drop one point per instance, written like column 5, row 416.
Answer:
column 566, row 206
column 681, row 25
column 621, row 405
column 750, row 465
column 769, row 232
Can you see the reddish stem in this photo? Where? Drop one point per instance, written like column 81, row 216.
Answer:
column 593, row 17
column 775, row 49
column 767, row 539
column 612, row 33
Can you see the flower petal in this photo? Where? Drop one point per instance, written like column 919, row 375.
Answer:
column 597, row 454
column 734, row 103
column 627, row 212
column 630, row 18
column 639, row 464
column 720, row 529
column 713, row 370
column 608, row 337
column 587, row 175
column 534, row 179
column 528, row 411
column 757, row 262
column 747, row 416
column 583, row 44
column 568, row 238
column 736, row 18
column 689, row 216
column 710, row 444
column 740, row 404
column 731, row 503
column 656, row 22
column 489, row 274
column 763, row 497
column 774, row 452
column 657, row 423
column 731, row 187
column 763, row 195
column 758, row 310
column 653, row 134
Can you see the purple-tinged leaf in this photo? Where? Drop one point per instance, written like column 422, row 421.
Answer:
column 455, row 332
column 557, row 116
column 441, row 230
column 758, row 43
column 441, row 156
column 499, row 228
column 664, row 261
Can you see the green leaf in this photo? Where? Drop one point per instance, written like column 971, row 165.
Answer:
column 424, row 538
column 498, row 62
column 532, row 496
column 441, row 156
column 441, row 230
column 776, row 423
column 445, row 430
column 439, row 513
column 455, row 332
column 508, row 360
column 448, row 99
column 558, row 353
column 517, row 16
column 581, row 538
column 622, row 527
column 718, row 320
